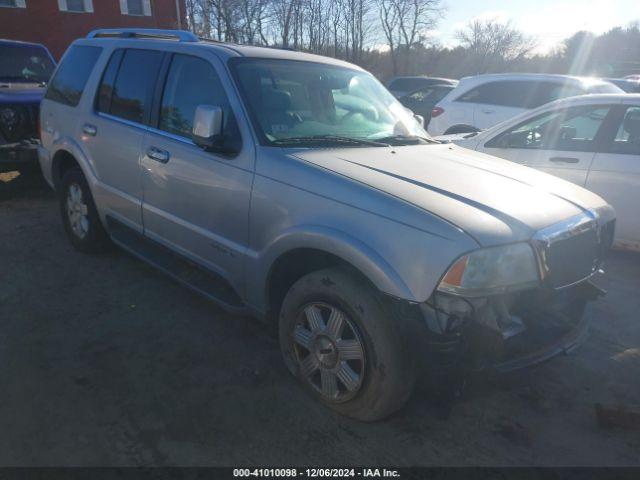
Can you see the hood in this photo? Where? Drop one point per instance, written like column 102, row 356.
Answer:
column 491, row 199
column 20, row 93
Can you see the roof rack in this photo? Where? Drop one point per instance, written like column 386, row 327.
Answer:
column 150, row 33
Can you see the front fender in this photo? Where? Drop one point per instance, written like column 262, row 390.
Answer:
column 326, row 239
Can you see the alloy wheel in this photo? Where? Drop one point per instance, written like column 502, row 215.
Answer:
column 329, row 351
column 77, row 211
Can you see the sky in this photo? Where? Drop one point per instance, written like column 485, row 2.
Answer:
column 549, row 21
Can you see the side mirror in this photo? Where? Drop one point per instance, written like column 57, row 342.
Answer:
column 419, row 119
column 207, row 126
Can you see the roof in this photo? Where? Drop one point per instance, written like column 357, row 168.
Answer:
column 5, row 41
column 531, row 76
column 223, row 49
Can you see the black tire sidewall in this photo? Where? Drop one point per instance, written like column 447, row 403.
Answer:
column 96, row 239
column 389, row 376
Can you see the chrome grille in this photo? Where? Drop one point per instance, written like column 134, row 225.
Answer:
column 570, row 251
column 18, row 122
column 573, row 258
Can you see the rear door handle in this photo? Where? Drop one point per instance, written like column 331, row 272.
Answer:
column 564, row 160
column 487, row 110
column 158, row 154
column 90, row 130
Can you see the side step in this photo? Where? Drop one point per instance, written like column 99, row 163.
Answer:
column 200, row 279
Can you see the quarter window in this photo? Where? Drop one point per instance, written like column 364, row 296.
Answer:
column 132, row 90
column 71, row 77
column 627, row 139
column 192, row 81
column 573, row 129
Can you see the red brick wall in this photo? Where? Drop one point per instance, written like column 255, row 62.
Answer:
column 43, row 22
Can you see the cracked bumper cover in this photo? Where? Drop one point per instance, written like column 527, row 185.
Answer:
column 474, row 344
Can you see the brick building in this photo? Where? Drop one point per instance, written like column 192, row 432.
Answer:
column 56, row 23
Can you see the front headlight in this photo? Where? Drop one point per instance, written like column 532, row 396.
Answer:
column 489, row 271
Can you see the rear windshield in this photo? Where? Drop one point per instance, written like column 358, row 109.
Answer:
column 408, row 84
column 72, row 75
column 25, row 63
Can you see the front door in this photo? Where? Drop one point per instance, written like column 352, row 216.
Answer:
column 615, row 176
column 560, row 142
column 197, row 202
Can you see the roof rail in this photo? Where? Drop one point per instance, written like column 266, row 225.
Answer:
column 151, row 33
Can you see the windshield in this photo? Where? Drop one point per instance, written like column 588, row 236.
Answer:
column 24, row 63
column 293, row 102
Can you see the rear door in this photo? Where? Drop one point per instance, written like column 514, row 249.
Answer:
column 561, row 142
column 114, row 132
column 495, row 102
column 615, row 175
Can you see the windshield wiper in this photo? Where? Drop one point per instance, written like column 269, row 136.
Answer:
column 406, row 140
column 329, row 139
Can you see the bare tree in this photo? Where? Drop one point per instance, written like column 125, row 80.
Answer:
column 492, row 43
column 405, row 23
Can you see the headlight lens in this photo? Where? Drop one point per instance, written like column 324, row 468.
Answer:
column 492, row 270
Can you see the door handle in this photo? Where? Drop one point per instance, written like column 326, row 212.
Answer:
column 89, row 129
column 564, row 159
column 158, row 155
column 487, row 110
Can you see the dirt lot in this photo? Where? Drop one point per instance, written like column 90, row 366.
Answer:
column 106, row 362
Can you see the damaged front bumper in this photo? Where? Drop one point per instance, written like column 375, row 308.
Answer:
column 502, row 333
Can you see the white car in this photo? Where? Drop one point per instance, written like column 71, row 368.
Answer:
column 592, row 140
column 485, row 100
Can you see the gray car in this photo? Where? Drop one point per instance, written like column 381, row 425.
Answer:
column 297, row 189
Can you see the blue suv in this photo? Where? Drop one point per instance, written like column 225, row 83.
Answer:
column 25, row 69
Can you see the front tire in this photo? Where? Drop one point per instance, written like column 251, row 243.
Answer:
column 79, row 215
column 339, row 341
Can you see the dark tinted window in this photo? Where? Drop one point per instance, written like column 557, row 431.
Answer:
column 408, row 84
column 134, row 84
column 505, row 93
column 72, row 75
column 108, row 79
column 191, row 82
column 545, row 92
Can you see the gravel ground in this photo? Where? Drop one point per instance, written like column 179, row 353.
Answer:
column 106, row 362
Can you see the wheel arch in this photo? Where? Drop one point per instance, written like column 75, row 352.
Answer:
column 304, row 252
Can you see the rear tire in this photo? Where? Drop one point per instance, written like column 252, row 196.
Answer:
column 339, row 341
column 79, row 215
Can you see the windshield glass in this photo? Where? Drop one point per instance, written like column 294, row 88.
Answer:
column 293, row 102
column 24, row 63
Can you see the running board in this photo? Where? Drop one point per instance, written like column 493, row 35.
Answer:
column 181, row 269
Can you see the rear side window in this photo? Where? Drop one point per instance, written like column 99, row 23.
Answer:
column 132, row 90
column 71, row 77
column 517, row 94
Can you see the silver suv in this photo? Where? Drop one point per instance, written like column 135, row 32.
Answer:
column 297, row 189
